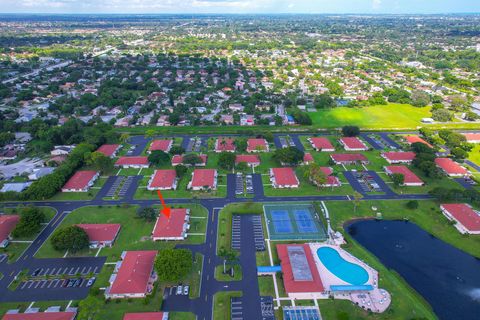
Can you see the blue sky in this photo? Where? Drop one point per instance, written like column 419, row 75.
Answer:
column 239, row 6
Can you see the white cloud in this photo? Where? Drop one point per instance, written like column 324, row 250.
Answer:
column 376, row 4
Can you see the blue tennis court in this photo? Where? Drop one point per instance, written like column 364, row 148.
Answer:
column 304, row 220
column 281, row 221
column 293, row 221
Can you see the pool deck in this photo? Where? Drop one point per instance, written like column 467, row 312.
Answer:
column 377, row 300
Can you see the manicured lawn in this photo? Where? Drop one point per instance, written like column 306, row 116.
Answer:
column 237, row 272
column 221, row 304
column 193, row 279
column 474, row 155
column 134, row 234
column 14, row 250
column 65, row 196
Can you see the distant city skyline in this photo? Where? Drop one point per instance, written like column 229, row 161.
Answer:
column 239, row 6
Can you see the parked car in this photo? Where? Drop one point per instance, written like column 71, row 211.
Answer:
column 185, row 290
column 36, row 272
column 91, row 281
column 179, row 290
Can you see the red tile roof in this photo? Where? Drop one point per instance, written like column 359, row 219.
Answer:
column 203, row 177
column 285, row 176
column 178, row 159
column 415, row 138
column 134, row 273
column 163, row 179
column 40, row 316
column 170, row 227
column 79, row 180
column 108, row 149
column 399, row 156
column 409, row 176
column 348, row 157
column 144, row 316
column 322, row 144
column 307, row 157
column 248, row 158
column 331, row 180
column 162, row 145
column 450, row 166
column 139, row 160
column 292, row 286
column 472, row 137
column 101, row 232
column 353, row 143
column 464, row 214
column 227, row 146
column 257, row 145
column 7, row 224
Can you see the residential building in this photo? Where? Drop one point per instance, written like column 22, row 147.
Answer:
column 101, row 235
column 81, row 181
column 284, row 178
column 467, row 220
column 174, row 227
column 163, row 180
column 7, row 224
column 203, row 179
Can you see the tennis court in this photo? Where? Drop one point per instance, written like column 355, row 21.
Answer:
column 293, row 222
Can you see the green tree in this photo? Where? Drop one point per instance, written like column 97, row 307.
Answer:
column 100, row 162
column 398, row 179
column 6, row 138
column 459, row 153
column 31, row 219
column 357, row 197
column 324, row 101
column 173, row 265
column 150, row 133
column 159, row 158
column 412, row 204
column 241, row 144
column 288, row 156
column 192, row 159
column 315, row 175
column 71, row 238
column 442, row 115
column 420, row 98
column 176, row 150
column 180, row 170
column 89, row 307
column 350, row 131
column 147, row 213
column 226, row 160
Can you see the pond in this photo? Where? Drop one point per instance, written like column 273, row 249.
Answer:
column 448, row 278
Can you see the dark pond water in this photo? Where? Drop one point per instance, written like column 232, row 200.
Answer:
column 446, row 277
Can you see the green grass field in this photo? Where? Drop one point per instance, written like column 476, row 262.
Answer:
column 474, row 155
column 134, row 233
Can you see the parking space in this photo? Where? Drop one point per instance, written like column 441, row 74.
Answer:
column 126, row 185
column 194, row 145
column 236, row 308
column 50, row 284
column 239, row 184
column 3, row 257
column 236, row 232
column 389, row 141
column 268, row 312
column 258, row 233
column 286, row 141
column 113, row 188
column 249, row 183
column 71, row 271
column 374, row 141
column 467, row 182
column 367, row 182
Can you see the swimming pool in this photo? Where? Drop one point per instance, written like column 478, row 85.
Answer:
column 349, row 272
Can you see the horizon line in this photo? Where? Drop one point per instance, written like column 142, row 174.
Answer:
column 240, row 13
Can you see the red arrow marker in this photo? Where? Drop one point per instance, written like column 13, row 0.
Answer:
column 165, row 210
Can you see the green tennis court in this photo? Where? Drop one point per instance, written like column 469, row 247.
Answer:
column 287, row 221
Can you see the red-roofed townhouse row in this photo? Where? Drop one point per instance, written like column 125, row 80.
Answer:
column 136, row 162
column 451, row 168
column 398, row 156
column 472, row 137
column 109, row 150
column 146, row 316
column 173, row 228
column 161, row 145
column 348, row 158
column 68, row 314
column 203, row 179
column 178, row 159
column 257, row 145
column 251, row 160
column 225, row 145
column 81, row 181
column 332, row 181
column 134, row 275
column 284, row 178
column 414, row 138
column 468, row 220
column 7, row 224
column 321, row 144
column 101, row 235
column 409, row 178
column 163, row 180
column 353, row 144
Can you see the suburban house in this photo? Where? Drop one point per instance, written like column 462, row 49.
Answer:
column 161, row 145
column 451, row 168
column 109, row 150
column 132, row 162
column 409, row 178
column 203, row 179
column 178, row 159
column 353, row 144
column 307, row 159
column 414, row 138
column 81, row 181
column 52, row 313
column 173, row 228
column 133, row 276
column 251, row 160
column 163, row 180
column 146, row 316
column 7, row 224
column 224, row 145
column 349, row 158
column 40, row 172
column 472, row 137
column 321, row 144
column 468, row 220
column 398, row 157
column 62, row 150
column 257, row 145
column 284, row 178
column 332, row 181
column 101, row 235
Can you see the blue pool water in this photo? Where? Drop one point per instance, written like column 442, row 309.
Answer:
column 349, row 272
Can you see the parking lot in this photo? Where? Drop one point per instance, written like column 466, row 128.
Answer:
column 249, row 183
column 236, row 308
column 286, row 141
column 239, row 184
column 194, row 145
column 258, row 233
column 55, row 283
column 71, row 271
column 236, row 232
column 367, row 182
column 126, row 185
column 113, row 189
column 268, row 312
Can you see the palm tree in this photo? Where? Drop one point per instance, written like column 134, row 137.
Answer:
column 356, row 200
